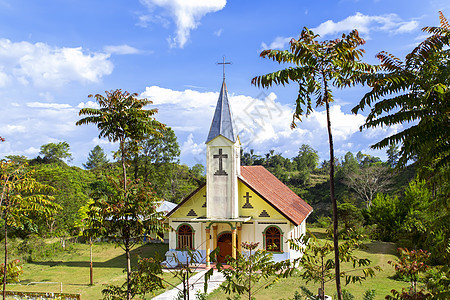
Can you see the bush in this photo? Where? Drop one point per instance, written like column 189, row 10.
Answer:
column 35, row 248
column 13, row 271
column 323, row 222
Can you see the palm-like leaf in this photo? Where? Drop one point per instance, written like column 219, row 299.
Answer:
column 418, row 92
column 314, row 66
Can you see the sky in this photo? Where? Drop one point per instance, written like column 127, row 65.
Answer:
column 54, row 53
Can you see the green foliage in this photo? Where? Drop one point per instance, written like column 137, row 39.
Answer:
column 71, row 191
column 96, row 159
column 351, row 218
column 144, row 280
column 13, row 271
column 35, row 248
column 437, row 282
column 251, row 272
column 419, row 91
column 125, row 216
column 318, row 266
column 56, row 152
column 317, row 66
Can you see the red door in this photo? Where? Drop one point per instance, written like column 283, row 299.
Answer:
column 224, row 244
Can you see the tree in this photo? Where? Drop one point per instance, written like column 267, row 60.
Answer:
column 155, row 160
column 21, row 197
column 392, row 155
column 126, row 216
column 409, row 265
column 317, row 266
column 368, row 181
column 307, row 158
column 88, row 219
column 416, row 91
column 121, row 118
column 316, row 66
column 252, row 272
column 56, row 152
column 96, row 159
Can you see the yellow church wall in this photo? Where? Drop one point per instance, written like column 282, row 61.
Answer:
column 192, row 206
column 258, row 205
column 251, row 231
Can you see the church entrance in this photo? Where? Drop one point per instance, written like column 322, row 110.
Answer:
column 225, row 246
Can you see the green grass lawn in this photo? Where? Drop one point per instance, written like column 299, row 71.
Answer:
column 71, row 268
column 378, row 252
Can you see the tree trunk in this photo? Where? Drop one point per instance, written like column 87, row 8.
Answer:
column 91, row 272
column 124, row 168
column 333, row 200
column 127, row 251
column 6, row 249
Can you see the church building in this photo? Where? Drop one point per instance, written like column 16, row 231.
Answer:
column 237, row 203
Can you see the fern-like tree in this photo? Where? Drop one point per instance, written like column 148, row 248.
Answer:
column 122, row 118
column 22, row 198
column 315, row 66
column 416, row 90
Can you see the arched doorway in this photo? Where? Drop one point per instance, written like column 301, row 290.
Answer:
column 225, row 246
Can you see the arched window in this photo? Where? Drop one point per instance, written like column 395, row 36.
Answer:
column 272, row 237
column 184, row 234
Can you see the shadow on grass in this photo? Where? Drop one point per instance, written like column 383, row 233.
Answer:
column 377, row 247
column 147, row 250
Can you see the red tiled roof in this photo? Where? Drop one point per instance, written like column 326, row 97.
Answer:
column 276, row 193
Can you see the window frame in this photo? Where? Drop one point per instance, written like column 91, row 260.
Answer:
column 190, row 239
column 280, row 239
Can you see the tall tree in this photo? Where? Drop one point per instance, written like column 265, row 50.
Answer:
column 96, row 159
column 122, row 118
column 56, row 152
column 21, row 197
column 126, row 216
column 392, row 155
column 416, row 90
column 368, row 181
column 315, row 65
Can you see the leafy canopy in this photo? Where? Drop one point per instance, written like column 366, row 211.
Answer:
column 314, row 65
column 415, row 91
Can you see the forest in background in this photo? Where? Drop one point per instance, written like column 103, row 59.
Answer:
column 375, row 198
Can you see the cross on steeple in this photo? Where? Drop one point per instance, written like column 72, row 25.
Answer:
column 223, row 64
column 221, row 171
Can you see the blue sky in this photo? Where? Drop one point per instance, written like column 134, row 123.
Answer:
column 53, row 54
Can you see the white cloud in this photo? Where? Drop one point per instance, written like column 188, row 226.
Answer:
column 32, row 151
column 48, row 105
column 391, row 23
column 185, row 14
column 263, row 122
column 218, row 33
column 121, row 49
column 4, row 78
column 278, row 43
column 89, row 104
column 47, row 66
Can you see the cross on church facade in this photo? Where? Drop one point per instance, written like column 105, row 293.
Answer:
column 247, row 201
column 223, row 64
column 220, row 156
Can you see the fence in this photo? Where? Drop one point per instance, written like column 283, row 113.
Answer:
column 13, row 295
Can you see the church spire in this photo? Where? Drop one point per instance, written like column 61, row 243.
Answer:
column 222, row 123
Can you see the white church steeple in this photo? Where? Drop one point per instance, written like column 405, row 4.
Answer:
column 222, row 162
